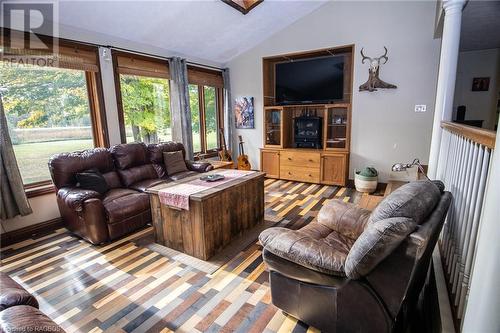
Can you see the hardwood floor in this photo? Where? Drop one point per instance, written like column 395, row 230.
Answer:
column 124, row 287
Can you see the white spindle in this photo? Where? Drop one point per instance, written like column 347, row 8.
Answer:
column 463, row 166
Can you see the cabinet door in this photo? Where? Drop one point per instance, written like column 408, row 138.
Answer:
column 333, row 169
column 270, row 163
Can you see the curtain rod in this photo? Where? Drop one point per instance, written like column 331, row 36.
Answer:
column 161, row 57
column 127, row 50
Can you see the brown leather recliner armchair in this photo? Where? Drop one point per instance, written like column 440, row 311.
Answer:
column 353, row 270
column 129, row 169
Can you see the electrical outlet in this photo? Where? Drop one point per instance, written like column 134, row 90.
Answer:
column 420, row 107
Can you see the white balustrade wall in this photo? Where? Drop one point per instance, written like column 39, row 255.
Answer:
column 463, row 166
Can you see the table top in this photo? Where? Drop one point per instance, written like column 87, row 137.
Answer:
column 210, row 191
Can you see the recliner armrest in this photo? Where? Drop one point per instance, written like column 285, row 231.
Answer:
column 344, row 217
column 303, row 250
column 199, row 166
column 74, row 197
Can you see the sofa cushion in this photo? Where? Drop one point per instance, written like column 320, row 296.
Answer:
column 182, row 175
column 143, row 185
column 112, row 179
column 24, row 318
column 344, row 217
column 129, row 155
column 136, row 174
column 92, row 180
column 174, row 162
column 124, row 207
column 320, row 254
column 377, row 241
column 12, row 293
column 63, row 167
column 414, row 200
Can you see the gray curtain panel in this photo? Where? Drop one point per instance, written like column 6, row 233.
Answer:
column 13, row 200
column 179, row 105
column 228, row 110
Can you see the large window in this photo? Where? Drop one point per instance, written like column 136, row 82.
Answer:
column 143, row 98
column 205, row 118
column 146, row 108
column 50, row 110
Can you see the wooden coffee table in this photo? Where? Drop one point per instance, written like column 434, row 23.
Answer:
column 215, row 216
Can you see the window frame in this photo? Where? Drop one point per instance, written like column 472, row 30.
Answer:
column 208, row 153
column 95, row 94
column 138, row 72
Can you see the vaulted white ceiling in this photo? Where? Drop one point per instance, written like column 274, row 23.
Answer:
column 480, row 25
column 208, row 30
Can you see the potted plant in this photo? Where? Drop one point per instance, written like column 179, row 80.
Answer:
column 365, row 180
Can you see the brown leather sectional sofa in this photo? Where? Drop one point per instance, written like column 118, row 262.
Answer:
column 129, row 169
column 353, row 270
column 19, row 310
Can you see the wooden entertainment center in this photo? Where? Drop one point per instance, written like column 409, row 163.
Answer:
column 279, row 158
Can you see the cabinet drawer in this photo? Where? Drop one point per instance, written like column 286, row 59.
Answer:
column 302, row 174
column 302, row 159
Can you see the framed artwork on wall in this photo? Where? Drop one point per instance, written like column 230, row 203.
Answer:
column 244, row 113
column 480, row 84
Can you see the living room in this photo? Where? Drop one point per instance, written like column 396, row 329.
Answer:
column 143, row 234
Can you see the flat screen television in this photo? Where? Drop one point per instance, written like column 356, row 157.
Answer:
column 309, row 81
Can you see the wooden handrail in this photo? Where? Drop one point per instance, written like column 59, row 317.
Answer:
column 479, row 135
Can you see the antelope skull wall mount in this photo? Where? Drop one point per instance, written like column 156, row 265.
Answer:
column 374, row 81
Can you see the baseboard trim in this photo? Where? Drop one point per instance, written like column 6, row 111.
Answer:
column 18, row 235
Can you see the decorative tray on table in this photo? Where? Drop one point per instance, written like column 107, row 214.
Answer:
column 212, row 178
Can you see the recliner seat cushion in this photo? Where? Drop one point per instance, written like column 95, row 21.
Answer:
column 182, row 175
column 126, row 206
column 117, row 193
column 143, row 185
column 414, row 200
column 377, row 241
column 301, row 248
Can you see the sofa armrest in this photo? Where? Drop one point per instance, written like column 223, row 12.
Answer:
column 303, row 250
column 74, row 197
column 344, row 217
column 199, row 166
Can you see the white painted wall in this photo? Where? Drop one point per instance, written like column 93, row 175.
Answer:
column 481, row 105
column 385, row 128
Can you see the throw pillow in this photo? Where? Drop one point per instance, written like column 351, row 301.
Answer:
column 92, row 180
column 375, row 243
column 174, row 162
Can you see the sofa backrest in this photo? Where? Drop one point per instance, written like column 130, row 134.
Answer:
column 414, row 200
column 132, row 162
column 64, row 167
column 156, row 151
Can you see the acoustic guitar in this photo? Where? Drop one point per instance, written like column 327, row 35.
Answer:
column 243, row 163
column 224, row 153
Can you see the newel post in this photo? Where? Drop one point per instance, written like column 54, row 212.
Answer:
column 450, row 43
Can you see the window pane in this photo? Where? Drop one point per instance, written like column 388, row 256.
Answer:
column 195, row 117
column 47, row 112
column 146, row 107
column 211, row 117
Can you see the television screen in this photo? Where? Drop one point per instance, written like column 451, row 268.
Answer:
column 318, row 80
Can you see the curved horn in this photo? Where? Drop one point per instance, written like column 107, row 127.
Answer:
column 384, row 56
column 365, row 57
